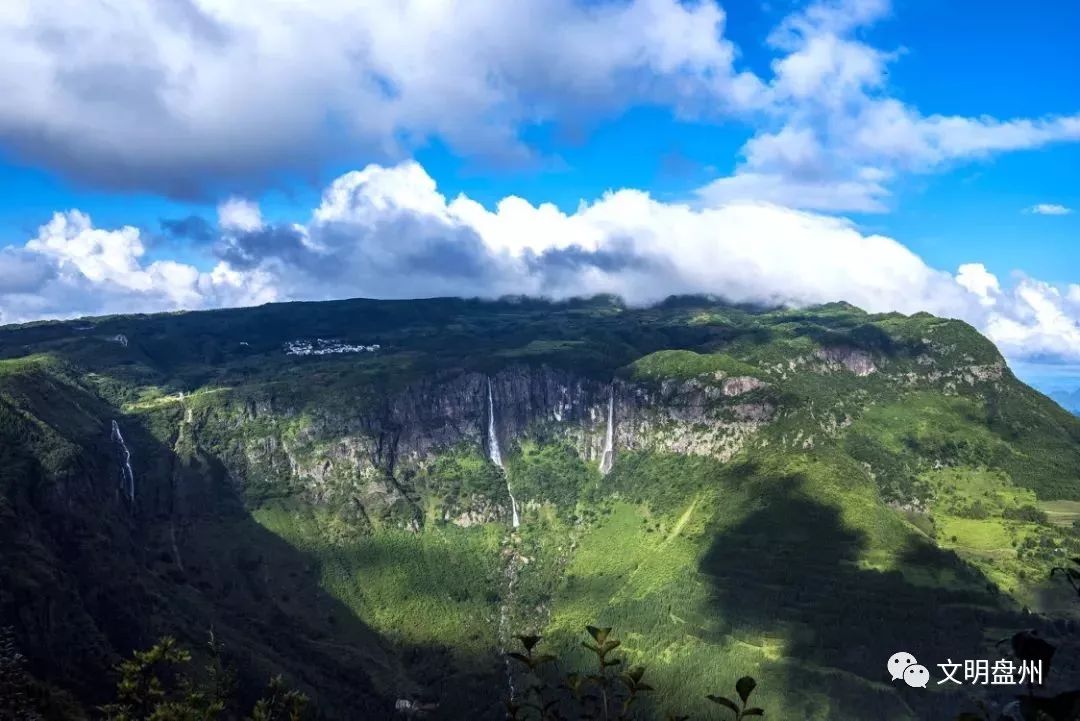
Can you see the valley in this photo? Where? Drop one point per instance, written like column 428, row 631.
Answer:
column 789, row 493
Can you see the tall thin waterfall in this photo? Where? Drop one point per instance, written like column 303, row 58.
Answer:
column 504, row 621
column 608, row 457
column 127, row 476
column 495, row 455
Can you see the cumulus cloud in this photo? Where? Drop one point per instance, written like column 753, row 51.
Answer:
column 1049, row 209
column 1038, row 321
column 976, row 279
column 72, row 268
column 388, row 232
column 239, row 214
column 189, row 95
column 835, row 138
column 180, row 95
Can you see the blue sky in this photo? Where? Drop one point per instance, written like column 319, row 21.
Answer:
column 905, row 147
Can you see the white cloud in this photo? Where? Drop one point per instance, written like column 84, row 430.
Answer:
column 174, row 96
column 239, row 214
column 1037, row 321
column 836, row 138
column 71, row 268
column 1049, row 209
column 190, row 95
column 975, row 278
column 388, row 232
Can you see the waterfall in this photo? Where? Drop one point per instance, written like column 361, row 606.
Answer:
column 495, row 455
column 504, row 621
column 608, row 457
column 127, row 476
column 175, row 547
column 512, row 565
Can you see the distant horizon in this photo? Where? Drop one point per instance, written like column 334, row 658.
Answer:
column 1046, row 377
column 507, row 298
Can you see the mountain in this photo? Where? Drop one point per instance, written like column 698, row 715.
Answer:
column 1068, row 399
column 332, row 488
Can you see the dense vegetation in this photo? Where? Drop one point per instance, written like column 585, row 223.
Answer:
column 796, row 494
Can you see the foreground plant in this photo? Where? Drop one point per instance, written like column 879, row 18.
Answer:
column 153, row 686
column 16, row 688
column 600, row 693
column 1072, row 575
column 1026, row 645
column 743, row 687
column 603, row 693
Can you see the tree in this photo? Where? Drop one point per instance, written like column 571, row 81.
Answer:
column 16, row 688
column 154, row 687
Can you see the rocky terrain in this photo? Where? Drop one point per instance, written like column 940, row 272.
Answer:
column 723, row 484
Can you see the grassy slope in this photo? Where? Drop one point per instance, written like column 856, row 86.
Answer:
column 786, row 562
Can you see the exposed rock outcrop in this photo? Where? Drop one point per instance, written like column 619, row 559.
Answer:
column 857, row 361
column 370, row 450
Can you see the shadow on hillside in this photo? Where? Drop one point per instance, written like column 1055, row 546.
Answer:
column 792, row 569
column 241, row 575
column 89, row 580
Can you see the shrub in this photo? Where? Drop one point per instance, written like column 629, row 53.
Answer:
column 1027, row 513
column 604, row 693
column 153, row 686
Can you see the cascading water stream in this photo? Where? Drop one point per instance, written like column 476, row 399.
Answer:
column 608, row 456
column 512, row 564
column 127, row 476
column 504, row 620
column 495, row 455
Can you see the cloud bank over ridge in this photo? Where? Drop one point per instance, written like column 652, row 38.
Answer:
column 386, row 231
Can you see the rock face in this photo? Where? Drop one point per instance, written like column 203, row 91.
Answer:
column 740, row 385
column 858, row 362
column 370, row 453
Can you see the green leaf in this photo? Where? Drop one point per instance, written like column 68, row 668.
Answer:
column 745, row 686
column 754, row 712
column 724, row 701
column 529, row 642
column 636, row 673
column 599, row 634
column 591, row 647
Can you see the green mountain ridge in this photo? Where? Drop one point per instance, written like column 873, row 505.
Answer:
column 795, row 494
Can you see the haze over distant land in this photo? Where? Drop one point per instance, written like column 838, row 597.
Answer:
column 200, row 155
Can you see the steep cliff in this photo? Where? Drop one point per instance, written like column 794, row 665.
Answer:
column 694, row 473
